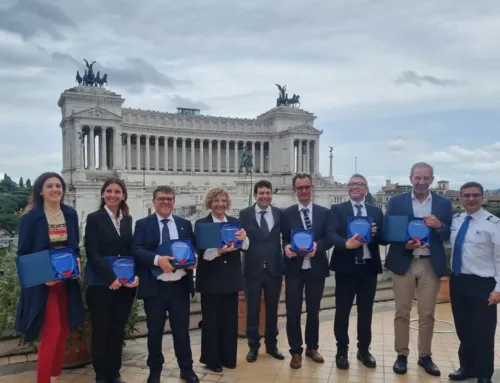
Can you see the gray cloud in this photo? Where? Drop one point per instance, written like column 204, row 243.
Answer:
column 29, row 18
column 186, row 102
column 413, row 78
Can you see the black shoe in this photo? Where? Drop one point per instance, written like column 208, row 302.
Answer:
column 460, row 374
column 189, row 376
column 252, row 355
column 215, row 369
column 153, row 379
column 341, row 361
column 275, row 353
column 401, row 365
column 483, row 380
column 429, row 366
column 367, row 359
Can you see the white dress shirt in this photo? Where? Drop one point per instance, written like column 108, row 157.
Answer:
column 481, row 248
column 211, row 254
column 364, row 213
column 174, row 234
column 268, row 217
column 306, row 264
column 113, row 218
column 420, row 210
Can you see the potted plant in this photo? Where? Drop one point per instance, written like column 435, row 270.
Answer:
column 444, row 289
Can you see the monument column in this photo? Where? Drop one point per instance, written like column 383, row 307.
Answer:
column 270, row 157
column 138, row 151
column 148, row 152
column 218, row 156
column 117, row 149
column 227, row 155
column 64, row 151
column 104, row 149
column 129, row 151
column 202, row 162
column 236, row 157
column 91, row 148
column 78, row 148
column 175, row 154
column 316, row 156
column 157, row 152
column 261, row 165
column 308, row 157
column 253, row 153
column 165, row 153
column 193, row 158
column 183, row 154
column 292, row 155
column 210, row 155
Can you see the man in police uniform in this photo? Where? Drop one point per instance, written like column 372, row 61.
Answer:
column 475, row 284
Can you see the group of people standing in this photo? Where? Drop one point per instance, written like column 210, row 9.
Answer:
column 52, row 310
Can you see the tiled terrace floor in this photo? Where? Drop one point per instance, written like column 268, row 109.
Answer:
column 267, row 369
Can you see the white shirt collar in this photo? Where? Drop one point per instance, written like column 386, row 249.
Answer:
column 258, row 209
column 429, row 197
column 170, row 217
column 216, row 220
column 110, row 213
column 308, row 207
column 354, row 203
column 477, row 215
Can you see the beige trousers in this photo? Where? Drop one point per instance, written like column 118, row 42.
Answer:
column 421, row 276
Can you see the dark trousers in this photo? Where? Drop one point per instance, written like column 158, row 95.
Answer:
column 362, row 284
column 272, row 291
column 219, row 331
column 174, row 298
column 475, row 322
column 295, row 286
column 109, row 313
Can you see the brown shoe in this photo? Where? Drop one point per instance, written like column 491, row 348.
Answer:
column 315, row 356
column 296, row 361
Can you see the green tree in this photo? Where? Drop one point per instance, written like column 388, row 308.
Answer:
column 21, row 183
column 9, row 223
column 28, row 183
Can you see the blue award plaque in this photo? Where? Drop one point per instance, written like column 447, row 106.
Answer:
column 64, row 264
column 124, row 269
column 362, row 226
column 182, row 251
column 228, row 232
column 418, row 231
column 302, row 241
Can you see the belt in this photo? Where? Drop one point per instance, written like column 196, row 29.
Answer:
column 265, row 265
column 420, row 256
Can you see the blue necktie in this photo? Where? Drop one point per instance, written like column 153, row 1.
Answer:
column 456, row 265
column 165, row 234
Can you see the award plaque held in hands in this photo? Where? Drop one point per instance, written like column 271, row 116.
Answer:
column 64, row 264
column 124, row 269
column 362, row 226
column 418, row 231
column 228, row 232
column 182, row 251
column 302, row 241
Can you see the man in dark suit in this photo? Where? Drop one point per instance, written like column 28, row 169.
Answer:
column 162, row 287
column 356, row 267
column 304, row 272
column 262, row 268
column 414, row 264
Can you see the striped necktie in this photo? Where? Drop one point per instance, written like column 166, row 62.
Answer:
column 307, row 221
column 359, row 250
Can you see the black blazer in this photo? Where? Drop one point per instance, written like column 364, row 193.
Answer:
column 145, row 241
column 343, row 260
column 222, row 275
column 262, row 246
column 292, row 220
column 102, row 240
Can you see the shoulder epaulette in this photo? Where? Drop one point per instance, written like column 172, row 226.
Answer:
column 493, row 219
column 456, row 215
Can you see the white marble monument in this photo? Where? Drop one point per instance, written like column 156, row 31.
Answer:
column 186, row 150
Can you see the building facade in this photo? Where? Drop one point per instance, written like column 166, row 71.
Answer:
column 186, row 150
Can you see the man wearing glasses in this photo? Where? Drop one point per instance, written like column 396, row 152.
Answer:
column 304, row 272
column 356, row 265
column 475, row 284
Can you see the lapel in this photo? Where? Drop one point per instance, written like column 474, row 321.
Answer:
column 296, row 217
column 408, row 208
column 180, row 228
column 108, row 222
column 154, row 227
column 276, row 218
column 315, row 213
column 44, row 226
column 124, row 225
column 435, row 204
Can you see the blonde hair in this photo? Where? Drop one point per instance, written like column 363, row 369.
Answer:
column 214, row 193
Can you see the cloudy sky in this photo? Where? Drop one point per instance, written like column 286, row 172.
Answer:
column 392, row 82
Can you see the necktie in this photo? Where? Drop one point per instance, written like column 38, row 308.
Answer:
column 456, row 265
column 359, row 250
column 306, row 218
column 165, row 234
column 263, row 223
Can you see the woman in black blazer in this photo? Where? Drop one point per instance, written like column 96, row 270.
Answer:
column 219, row 280
column 108, row 232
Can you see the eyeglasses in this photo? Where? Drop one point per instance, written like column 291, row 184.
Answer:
column 469, row 195
column 165, row 199
column 305, row 188
column 356, row 184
